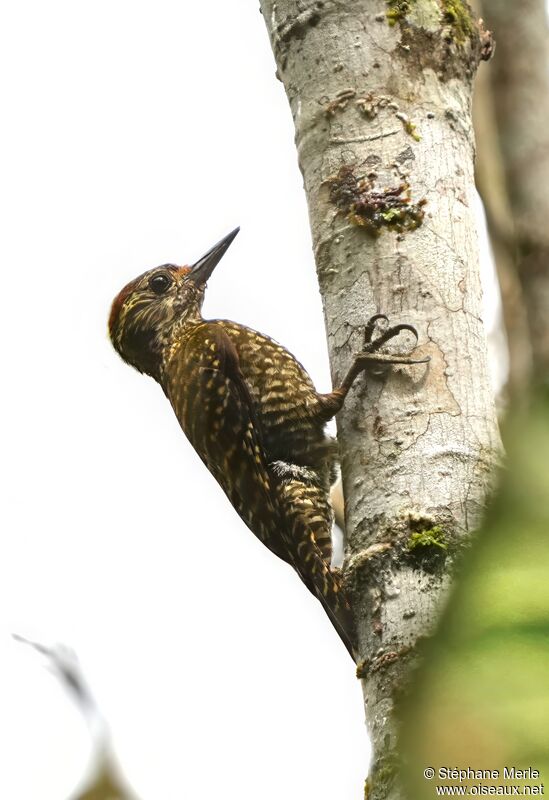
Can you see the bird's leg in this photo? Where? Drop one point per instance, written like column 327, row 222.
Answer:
column 368, row 357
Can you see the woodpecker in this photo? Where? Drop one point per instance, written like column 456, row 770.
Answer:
column 251, row 412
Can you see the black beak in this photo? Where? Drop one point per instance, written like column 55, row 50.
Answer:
column 203, row 268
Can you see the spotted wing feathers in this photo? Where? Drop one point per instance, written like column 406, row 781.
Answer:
column 213, row 403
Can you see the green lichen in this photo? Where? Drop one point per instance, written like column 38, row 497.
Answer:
column 372, row 208
column 398, row 10
column 457, row 14
column 428, row 538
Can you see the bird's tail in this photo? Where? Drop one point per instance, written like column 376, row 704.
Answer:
column 326, row 586
column 308, row 522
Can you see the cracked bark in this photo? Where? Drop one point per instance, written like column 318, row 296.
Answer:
column 391, row 104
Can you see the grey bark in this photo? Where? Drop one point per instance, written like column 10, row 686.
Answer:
column 519, row 80
column 389, row 106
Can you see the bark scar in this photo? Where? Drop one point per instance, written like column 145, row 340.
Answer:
column 295, row 27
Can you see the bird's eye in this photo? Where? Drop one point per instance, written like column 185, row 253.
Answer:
column 160, row 283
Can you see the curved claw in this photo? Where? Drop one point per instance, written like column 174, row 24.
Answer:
column 390, row 333
column 370, row 326
column 381, row 359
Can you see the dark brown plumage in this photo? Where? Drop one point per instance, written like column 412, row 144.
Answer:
column 251, row 412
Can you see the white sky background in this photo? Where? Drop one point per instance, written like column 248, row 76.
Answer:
column 135, row 134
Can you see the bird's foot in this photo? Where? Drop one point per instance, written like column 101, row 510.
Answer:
column 370, row 352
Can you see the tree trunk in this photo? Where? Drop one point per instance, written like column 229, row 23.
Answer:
column 520, row 89
column 380, row 94
column 491, row 184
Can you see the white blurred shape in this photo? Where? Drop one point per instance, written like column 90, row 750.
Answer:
column 498, row 352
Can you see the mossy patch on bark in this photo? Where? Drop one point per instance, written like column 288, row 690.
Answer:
column 398, row 10
column 430, row 537
column 442, row 35
column 458, row 15
column 427, row 548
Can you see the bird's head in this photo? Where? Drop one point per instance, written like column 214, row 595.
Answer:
column 144, row 312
